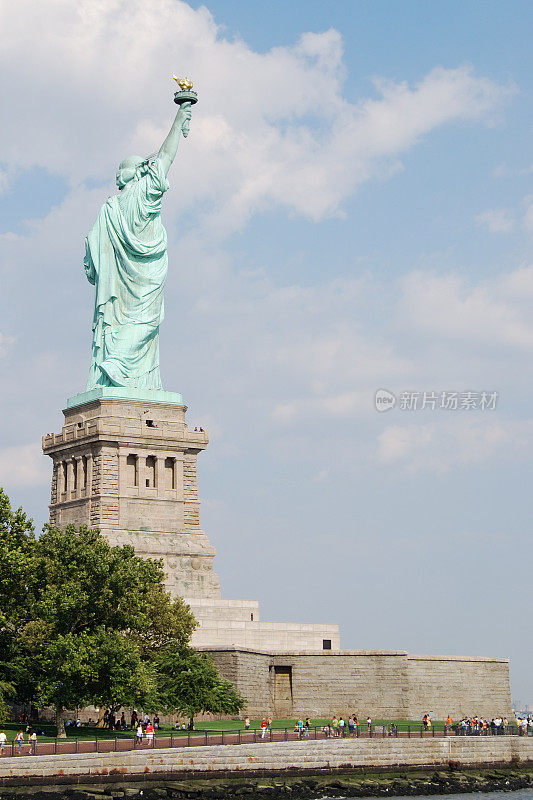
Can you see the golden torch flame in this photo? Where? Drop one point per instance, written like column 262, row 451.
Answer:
column 184, row 83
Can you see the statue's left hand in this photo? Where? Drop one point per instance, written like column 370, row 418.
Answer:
column 184, row 118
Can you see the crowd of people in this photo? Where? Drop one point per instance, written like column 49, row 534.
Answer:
column 19, row 742
column 145, row 728
column 497, row 726
column 475, row 725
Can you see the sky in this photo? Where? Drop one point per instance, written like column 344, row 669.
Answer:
column 351, row 212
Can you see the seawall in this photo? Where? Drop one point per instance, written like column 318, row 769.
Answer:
column 263, row 759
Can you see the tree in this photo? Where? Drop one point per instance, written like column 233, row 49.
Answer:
column 17, row 542
column 5, row 689
column 188, row 683
column 83, row 623
column 96, row 616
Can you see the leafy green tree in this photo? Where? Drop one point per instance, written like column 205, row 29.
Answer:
column 5, row 689
column 97, row 615
column 82, row 623
column 188, row 683
column 17, row 543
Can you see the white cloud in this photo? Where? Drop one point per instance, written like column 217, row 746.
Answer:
column 23, row 465
column 447, row 307
column 456, row 442
column 5, row 342
column 528, row 215
column 4, row 181
column 497, row 220
column 503, row 171
column 98, row 77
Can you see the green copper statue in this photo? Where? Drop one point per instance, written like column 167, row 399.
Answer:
column 126, row 259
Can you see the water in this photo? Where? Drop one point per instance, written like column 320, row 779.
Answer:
column 518, row 794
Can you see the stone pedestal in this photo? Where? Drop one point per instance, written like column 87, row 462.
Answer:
column 128, row 467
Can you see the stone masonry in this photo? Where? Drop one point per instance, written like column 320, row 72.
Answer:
column 382, row 684
column 128, row 467
column 266, row 757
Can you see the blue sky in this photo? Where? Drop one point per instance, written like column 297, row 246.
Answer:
column 352, row 211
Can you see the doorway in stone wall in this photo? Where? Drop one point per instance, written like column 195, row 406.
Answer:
column 282, row 692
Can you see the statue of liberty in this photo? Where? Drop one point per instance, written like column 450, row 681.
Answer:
column 126, row 259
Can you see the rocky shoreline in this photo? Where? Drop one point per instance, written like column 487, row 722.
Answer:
column 340, row 784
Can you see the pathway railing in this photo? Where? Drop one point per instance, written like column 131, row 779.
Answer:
column 196, row 738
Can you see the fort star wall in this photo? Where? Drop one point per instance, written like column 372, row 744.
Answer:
column 384, row 685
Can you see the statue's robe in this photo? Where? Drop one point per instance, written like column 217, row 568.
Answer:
column 126, row 259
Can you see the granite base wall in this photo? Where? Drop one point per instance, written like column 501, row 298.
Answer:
column 459, row 686
column 384, row 685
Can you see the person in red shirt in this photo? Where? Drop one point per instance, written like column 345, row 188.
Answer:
column 149, row 732
column 263, row 728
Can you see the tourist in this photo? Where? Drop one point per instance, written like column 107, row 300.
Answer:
column 263, row 728
column 156, row 722
column 369, row 724
column 269, row 723
column 335, row 726
column 134, row 718
column 32, row 742
column 342, row 725
column 300, row 725
column 448, row 723
column 149, row 732
column 307, row 727
column 123, row 724
column 247, row 723
column 139, row 734
column 350, row 725
column 19, row 738
column 3, row 739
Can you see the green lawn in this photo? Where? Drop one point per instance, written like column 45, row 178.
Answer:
column 12, row 728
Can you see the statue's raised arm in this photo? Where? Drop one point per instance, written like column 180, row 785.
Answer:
column 169, row 148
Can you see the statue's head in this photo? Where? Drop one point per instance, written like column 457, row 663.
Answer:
column 128, row 169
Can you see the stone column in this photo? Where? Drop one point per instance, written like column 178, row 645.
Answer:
column 79, row 475
column 159, row 474
column 88, row 485
column 70, row 478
